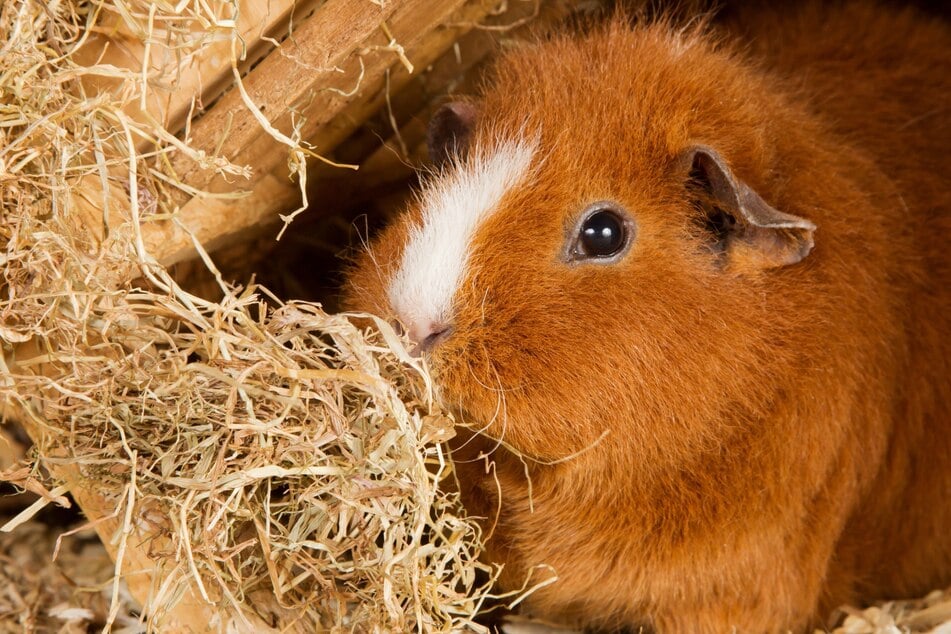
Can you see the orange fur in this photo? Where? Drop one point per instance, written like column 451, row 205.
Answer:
column 754, row 446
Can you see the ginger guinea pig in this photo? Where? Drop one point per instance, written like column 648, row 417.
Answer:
column 689, row 289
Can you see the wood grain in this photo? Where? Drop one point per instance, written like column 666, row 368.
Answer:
column 178, row 86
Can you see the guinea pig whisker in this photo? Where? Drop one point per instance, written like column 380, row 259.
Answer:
column 500, row 409
column 490, row 467
column 483, row 454
column 485, row 296
column 363, row 235
column 364, row 238
column 573, row 455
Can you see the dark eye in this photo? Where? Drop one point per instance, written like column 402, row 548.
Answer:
column 603, row 234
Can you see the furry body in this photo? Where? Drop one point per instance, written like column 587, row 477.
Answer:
column 749, row 446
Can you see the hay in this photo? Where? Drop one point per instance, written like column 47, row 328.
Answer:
column 289, row 468
column 273, row 460
column 929, row 615
column 71, row 596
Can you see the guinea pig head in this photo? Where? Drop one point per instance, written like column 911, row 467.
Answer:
column 591, row 261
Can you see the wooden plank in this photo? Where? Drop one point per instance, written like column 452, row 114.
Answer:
column 176, row 85
column 303, row 65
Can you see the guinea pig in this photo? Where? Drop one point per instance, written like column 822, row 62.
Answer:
column 687, row 289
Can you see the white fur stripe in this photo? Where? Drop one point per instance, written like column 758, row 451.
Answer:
column 437, row 252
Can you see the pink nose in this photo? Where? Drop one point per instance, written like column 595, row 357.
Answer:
column 427, row 335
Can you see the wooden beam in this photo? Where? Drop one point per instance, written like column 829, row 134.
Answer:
column 178, row 86
column 306, row 66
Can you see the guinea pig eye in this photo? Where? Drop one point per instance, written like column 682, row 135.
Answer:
column 604, row 234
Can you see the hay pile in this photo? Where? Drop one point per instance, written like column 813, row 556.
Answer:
column 930, row 615
column 272, row 460
column 72, row 596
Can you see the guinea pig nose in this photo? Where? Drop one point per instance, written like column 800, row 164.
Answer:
column 428, row 336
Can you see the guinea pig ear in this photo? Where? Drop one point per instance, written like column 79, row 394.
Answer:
column 743, row 225
column 450, row 130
